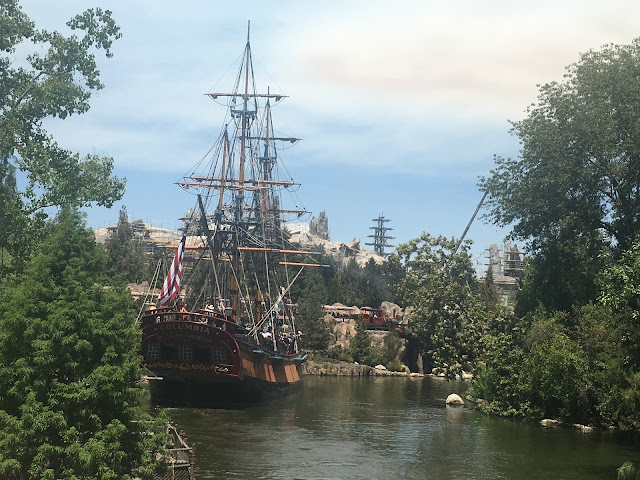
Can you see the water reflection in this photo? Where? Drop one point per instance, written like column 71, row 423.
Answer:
column 381, row 428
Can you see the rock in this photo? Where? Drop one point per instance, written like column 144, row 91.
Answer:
column 414, row 374
column 549, row 422
column 354, row 244
column 320, row 226
column 394, row 311
column 301, row 233
column 336, row 369
column 480, row 401
column 380, row 367
column 454, row 399
column 584, row 428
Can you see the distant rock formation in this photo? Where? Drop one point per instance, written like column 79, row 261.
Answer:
column 392, row 310
column 313, row 234
column 320, row 226
column 342, row 252
column 316, row 234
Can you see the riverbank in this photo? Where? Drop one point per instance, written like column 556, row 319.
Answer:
column 345, row 369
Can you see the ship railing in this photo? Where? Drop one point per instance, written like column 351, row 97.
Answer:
column 158, row 316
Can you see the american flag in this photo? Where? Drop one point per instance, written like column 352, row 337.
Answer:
column 172, row 282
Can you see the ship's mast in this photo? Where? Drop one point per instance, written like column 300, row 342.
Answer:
column 380, row 236
column 247, row 219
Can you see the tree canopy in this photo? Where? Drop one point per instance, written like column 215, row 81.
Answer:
column 441, row 288
column 68, row 365
column 570, row 349
column 43, row 75
column 579, row 166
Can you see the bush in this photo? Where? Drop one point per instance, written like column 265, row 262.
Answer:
column 395, row 366
column 345, row 357
column 629, row 471
column 335, row 352
column 374, row 359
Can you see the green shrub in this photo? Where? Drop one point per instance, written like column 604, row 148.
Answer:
column 394, row 366
column 629, row 471
column 374, row 359
column 335, row 352
column 345, row 357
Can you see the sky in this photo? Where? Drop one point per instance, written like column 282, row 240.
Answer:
column 401, row 105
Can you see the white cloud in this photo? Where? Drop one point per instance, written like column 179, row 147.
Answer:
column 420, row 88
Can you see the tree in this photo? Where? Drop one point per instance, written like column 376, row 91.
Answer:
column 124, row 252
column 562, row 274
column 360, row 345
column 621, row 293
column 310, row 316
column 571, row 347
column 11, row 220
column 579, row 166
column 68, row 366
column 441, row 288
column 47, row 75
column 489, row 291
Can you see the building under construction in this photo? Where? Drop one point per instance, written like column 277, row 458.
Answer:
column 507, row 268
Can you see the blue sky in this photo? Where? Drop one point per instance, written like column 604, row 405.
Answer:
column 401, row 106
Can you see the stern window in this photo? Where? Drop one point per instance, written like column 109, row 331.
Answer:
column 153, row 353
column 219, row 354
column 184, row 352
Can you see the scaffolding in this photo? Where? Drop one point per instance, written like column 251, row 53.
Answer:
column 506, row 270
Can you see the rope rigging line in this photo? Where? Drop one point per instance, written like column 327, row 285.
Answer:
column 267, row 315
column 151, row 286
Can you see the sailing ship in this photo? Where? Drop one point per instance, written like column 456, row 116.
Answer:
column 241, row 347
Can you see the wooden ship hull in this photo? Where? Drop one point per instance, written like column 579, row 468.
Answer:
column 204, row 360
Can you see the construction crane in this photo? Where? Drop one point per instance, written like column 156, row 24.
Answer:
column 470, row 222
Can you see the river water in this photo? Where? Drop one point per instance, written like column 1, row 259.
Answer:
column 389, row 428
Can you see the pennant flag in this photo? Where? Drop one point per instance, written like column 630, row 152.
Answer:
column 172, row 282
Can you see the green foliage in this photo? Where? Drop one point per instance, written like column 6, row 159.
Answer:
column 360, row 347
column 68, row 365
column 571, row 348
column 564, row 365
column 629, row 471
column 346, row 357
column 489, row 292
column 154, row 443
column 555, row 374
column 392, row 344
column 125, row 258
column 45, row 75
column 447, row 313
column 578, row 168
column 562, row 275
column 395, row 366
column 501, row 359
column 363, row 286
column 334, row 352
column 360, row 344
column 310, row 316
